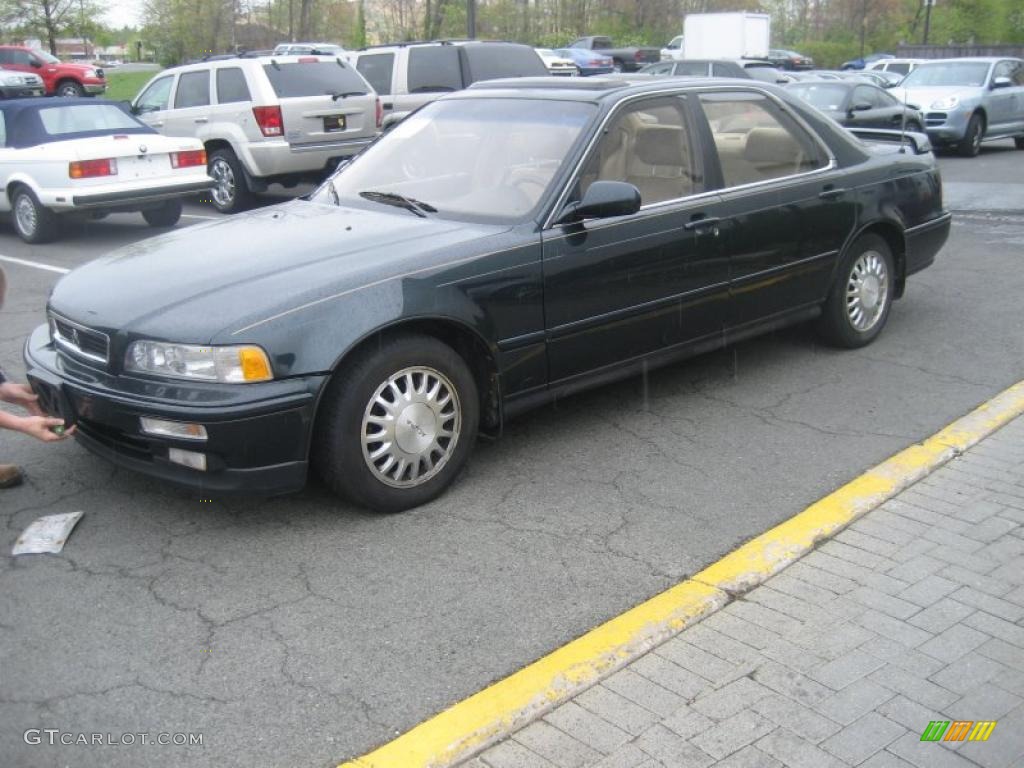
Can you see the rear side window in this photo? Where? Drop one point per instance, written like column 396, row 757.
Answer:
column 434, row 68
column 901, row 67
column 755, row 141
column 313, row 78
column 727, row 69
column 231, row 86
column 377, row 68
column 489, row 62
column 193, row 90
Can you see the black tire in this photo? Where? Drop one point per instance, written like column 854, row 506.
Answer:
column 970, row 144
column 69, row 89
column 33, row 222
column 166, row 215
column 837, row 323
column 338, row 446
column 232, row 193
column 914, row 127
column 1018, row 142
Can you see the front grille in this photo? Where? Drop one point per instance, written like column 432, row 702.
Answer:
column 79, row 340
column 935, row 118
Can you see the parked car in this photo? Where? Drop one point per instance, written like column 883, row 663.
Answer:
column 698, row 68
column 900, row 67
column 673, row 49
column 64, row 157
column 306, row 49
column 16, row 85
column 628, row 59
column 878, row 77
column 558, row 65
column 968, row 101
column 60, row 78
column 764, row 71
column 864, row 61
column 588, row 62
column 859, row 104
column 789, row 60
column 503, row 246
column 409, row 75
column 264, row 119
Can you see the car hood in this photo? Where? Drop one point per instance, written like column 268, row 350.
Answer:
column 923, row 96
column 195, row 282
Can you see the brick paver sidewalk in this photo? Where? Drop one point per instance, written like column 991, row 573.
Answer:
column 914, row 613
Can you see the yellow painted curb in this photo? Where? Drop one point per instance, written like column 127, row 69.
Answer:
column 474, row 723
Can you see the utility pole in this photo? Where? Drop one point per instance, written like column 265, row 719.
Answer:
column 471, row 19
column 927, row 18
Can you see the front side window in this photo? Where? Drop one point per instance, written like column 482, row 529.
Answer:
column 755, row 141
column 434, row 68
column 647, row 145
column 154, row 98
column 193, row 90
column 231, row 86
column 377, row 69
column 691, row 68
column 828, row 97
column 487, row 159
column 863, row 94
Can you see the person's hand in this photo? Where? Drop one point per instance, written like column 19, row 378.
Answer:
column 39, row 427
column 21, row 394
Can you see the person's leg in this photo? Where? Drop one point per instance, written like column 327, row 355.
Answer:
column 10, row 476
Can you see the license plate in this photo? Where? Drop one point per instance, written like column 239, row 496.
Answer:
column 334, row 123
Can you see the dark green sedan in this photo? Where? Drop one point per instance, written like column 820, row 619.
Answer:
column 503, row 246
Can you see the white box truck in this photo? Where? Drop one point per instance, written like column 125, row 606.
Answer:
column 738, row 35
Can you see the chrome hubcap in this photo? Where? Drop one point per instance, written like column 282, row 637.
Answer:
column 867, row 290
column 224, row 188
column 411, row 427
column 25, row 213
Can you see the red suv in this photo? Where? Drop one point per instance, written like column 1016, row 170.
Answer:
column 59, row 78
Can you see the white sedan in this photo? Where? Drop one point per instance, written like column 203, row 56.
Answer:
column 557, row 65
column 66, row 157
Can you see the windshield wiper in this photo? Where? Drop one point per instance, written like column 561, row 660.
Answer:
column 345, row 94
column 399, row 201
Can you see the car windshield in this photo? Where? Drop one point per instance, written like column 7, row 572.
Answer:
column 487, row 159
column 825, row 96
column 969, row 73
column 48, row 58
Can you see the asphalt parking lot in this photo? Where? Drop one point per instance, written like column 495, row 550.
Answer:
column 299, row 631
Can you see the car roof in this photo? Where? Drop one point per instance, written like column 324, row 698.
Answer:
column 25, row 128
column 593, row 89
column 459, row 41
column 971, row 59
column 261, row 59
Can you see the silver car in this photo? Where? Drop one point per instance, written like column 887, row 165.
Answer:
column 967, row 101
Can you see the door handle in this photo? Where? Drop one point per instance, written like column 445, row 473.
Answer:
column 831, row 194
column 201, row 120
column 702, row 222
column 157, row 124
column 387, row 105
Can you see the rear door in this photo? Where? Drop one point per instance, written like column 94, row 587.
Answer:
column 430, row 70
column 378, row 70
column 322, row 100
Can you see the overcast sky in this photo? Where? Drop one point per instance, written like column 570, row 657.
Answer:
column 123, row 12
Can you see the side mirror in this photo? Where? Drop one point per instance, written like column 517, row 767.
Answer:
column 35, row 62
column 1001, row 82
column 602, row 200
column 860, row 106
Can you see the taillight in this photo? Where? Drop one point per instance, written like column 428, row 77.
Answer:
column 269, row 120
column 308, row 59
column 598, row 63
column 380, row 113
column 188, row 159
column 87, row 169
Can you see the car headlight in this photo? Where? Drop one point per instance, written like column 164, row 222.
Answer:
column 11, row 80
column 231, row 365
column 950, row 102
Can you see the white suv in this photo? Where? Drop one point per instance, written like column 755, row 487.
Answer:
column 264, row 119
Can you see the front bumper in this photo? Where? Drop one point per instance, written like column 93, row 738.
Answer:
column 946, row 127
column 258, row 434
column 924, row 241
column 21, row 91
column 94, row 88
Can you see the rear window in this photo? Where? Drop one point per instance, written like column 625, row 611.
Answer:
column 376, row 68
column 313, row 78
column 87, row 117
column 489, row 62
column 434, row 68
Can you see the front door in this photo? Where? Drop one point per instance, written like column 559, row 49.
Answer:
column 152, row 104
column 621, row 288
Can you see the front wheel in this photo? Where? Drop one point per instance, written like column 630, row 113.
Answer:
column 397, row 424
column 165, row 215
column 33, row 222
column 970, row 144
column 70, row 89
column 858, row 303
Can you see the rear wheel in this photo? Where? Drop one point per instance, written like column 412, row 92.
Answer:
column 33, row 222
column 397, row 424
column 1018, row 142
column 230, row 192
column 970, row 144
column 166, row 215
column 858, row 304
column 70, row 89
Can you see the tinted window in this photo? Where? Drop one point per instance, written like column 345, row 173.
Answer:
column 825, row 96
column 377, row 68
column 193, row 90
column 728, row 69
column 658, row 69
column 6, row 56
column 902, row 67
column 767, row 74
column 231, row 86
column 155, row 97
column 21, row 58
column 434, row 68
column 488, row 62
column 755, row 141
column 314, row 78
column 691, row 68
column 647, row 145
